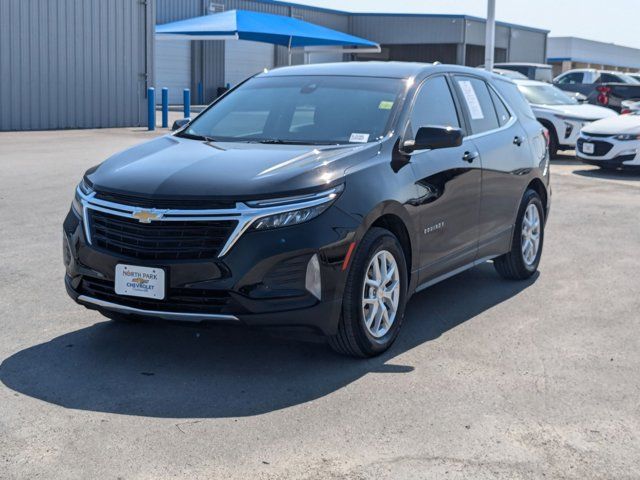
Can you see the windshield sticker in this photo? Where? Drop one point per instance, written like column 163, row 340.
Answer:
column 475, row 110
column 385, row 105
column 359, row 138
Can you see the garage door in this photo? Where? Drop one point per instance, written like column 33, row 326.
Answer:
column 243, row 59
column 173, row 68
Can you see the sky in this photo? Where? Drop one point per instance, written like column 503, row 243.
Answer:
column 611, row 21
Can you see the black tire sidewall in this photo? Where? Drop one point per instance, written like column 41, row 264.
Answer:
column 352, row 311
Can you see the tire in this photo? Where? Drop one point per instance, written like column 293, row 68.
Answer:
column 553, row 142
column 513, row 265
column 354, row 337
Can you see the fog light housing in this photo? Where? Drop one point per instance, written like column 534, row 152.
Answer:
column 568, row 128
column 66, row 251
column 312, row 281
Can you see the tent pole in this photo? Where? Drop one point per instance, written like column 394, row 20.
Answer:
column 289, row 49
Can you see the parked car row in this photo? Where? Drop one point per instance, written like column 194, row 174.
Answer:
column 562, row 115
column 601, row 87
column 598, row 134
column 604, row 88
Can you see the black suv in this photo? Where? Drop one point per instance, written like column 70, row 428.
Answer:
column 317, row 196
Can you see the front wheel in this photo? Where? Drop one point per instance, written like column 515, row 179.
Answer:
column 374, row 297
column 526, row 247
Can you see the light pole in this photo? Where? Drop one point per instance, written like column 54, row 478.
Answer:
column 490, row 35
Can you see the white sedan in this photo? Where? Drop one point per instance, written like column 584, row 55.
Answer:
column 559, row 113
column 611, row 143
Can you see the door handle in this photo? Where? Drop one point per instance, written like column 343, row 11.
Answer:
column 517, row 140
column 470, row 156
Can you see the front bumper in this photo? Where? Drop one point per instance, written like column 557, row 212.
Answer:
column 259, row 282
column 613, row 153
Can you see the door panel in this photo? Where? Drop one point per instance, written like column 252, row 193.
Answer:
column 449, row 201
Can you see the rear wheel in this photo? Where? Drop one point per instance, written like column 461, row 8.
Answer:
column 526, row 247
column 374, row 297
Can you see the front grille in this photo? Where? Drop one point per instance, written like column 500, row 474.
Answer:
column 161, row 240
column 187, row 300
column 600, row 148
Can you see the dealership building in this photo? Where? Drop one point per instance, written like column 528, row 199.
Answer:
column 88, row 64
column 566, row 53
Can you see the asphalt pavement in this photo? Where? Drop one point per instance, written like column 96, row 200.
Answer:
column 488, row 379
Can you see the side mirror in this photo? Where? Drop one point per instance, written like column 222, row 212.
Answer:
column 433, row 137
column 179, row 124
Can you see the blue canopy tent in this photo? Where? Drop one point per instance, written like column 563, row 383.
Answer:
column 266, row 28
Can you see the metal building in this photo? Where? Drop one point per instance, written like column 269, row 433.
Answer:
column 407, row 37
column 566, row 53
column 74, row 63
column 88, row 63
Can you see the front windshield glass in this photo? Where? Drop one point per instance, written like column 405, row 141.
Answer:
column 546, row 95
column 302, row 109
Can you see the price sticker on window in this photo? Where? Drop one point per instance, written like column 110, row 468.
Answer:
column 470, row 97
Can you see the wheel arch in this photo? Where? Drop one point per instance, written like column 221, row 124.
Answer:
column 396, row 225
column 538, row 186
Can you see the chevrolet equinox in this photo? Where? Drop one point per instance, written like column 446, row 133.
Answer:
column 318, row 197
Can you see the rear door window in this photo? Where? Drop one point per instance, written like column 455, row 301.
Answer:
column 571, row 78
column 608, row 78
column 476, row 100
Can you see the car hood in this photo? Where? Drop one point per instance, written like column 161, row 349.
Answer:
column 581, row 111
column 174, row 167
column 614, row 126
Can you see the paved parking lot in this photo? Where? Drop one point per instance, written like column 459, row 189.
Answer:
column 489, row 378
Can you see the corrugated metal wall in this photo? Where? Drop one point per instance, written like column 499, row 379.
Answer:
column 527, row 46
column 73, row 63
column 408, row 29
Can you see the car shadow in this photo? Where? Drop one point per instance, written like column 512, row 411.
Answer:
column 628, row 175
column 164, row 370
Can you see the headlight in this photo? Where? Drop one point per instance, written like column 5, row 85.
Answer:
column 627, row 136
column 77, row 203
column 289, row 218
column 294, row 210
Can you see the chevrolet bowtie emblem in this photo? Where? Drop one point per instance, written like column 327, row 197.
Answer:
column 146, row 216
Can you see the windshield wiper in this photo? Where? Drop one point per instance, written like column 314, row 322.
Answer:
column 193, row 136
column 280, row 141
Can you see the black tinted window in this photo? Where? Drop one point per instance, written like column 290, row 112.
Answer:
column 477, row 101
column 501, row 109
column 434, row 105
column 608, row 78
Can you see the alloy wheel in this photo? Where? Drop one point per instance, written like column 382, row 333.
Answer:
column 380, row 294
column 530, row 238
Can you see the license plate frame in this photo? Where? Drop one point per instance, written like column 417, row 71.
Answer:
column 139, row 281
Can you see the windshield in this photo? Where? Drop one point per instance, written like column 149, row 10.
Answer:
column 302, row 109
column 546, row 95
